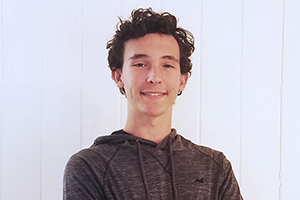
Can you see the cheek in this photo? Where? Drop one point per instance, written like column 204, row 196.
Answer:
column 174, row 85
column 175, row 81
column 131, row 80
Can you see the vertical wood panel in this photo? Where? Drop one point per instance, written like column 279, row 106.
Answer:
column 262, row 42
column 221, row 75
column 61, row 52
column 100, row 95
column 291, row 102
column 1, row 96
column 129, row 5
column 186, row 115
column 21, row 100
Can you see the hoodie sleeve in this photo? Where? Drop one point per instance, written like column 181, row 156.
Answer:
column 79, row 182
column 230, row 188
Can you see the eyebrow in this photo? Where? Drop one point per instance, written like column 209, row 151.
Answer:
column 170, row 58
column 136, row 56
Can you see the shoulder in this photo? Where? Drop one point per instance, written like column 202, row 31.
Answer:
column 217, row 168
column 83, row 174
column 206, row 153
column 99, row 154
column 88, row 165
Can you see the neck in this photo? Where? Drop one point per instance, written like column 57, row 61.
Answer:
column 149, row 127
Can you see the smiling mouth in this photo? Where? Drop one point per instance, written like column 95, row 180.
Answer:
column 153, row 94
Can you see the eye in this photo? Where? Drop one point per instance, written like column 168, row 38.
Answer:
column 139, row 64
column 168, row 66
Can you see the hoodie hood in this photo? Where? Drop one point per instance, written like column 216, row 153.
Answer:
column 121, row 137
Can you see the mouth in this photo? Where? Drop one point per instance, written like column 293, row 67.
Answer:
column 153, row 94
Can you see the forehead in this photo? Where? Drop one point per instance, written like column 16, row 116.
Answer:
column 153, row 44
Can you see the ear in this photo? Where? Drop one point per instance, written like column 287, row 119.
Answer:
column 117, row 77
column 183, row 80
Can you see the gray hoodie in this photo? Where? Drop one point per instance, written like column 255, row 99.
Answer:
column 122, row 166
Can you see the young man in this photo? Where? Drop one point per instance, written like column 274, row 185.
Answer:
column 149, row 59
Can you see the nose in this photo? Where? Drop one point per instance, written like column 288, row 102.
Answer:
column 154, row 76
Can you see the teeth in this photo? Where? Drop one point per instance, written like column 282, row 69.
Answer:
column 154, row 94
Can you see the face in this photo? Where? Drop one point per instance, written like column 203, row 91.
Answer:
column 151, row 74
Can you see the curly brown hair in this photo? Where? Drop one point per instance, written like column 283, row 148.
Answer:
column 144, row 21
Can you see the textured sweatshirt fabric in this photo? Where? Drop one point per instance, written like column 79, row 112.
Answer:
column 122, row 166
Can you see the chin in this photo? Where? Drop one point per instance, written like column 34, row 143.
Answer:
column 156, row 112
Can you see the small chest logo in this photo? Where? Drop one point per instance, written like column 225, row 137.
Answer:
column 200, row 180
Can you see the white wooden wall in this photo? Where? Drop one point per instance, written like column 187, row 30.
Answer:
column 57, row 95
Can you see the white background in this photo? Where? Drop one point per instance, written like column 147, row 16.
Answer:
column 57, row 95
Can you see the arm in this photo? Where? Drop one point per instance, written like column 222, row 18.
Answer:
column 80, row 182
column 230, row 189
